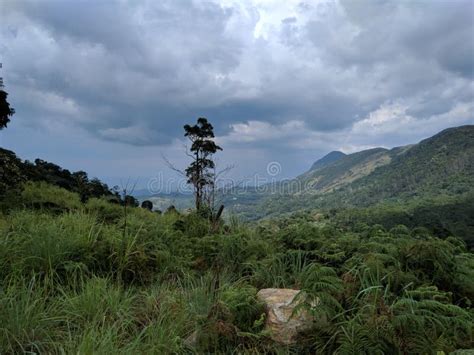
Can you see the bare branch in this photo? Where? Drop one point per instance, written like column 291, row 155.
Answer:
column 186, row 151
column 125, row 188
column 225, row 170
column 171, row 166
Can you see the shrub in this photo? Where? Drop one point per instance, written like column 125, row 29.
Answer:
column 46, row 245
column 104, row 210
column 40, row 195
column 245, row 310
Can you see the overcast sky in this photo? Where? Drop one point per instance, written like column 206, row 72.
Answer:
column 106, row 86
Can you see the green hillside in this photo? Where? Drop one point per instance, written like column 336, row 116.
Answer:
column 344, row 170
column 430, row 178
column 327, row 160
column 443, row 163
column 440, row 165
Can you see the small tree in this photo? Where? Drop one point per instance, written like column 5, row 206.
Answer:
column 147, row 204
column 200, row 172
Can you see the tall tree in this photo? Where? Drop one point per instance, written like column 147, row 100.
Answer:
column 5, row 110
column 200, row 172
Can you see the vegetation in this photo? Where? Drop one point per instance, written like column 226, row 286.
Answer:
column 428, row 184
column 327, row 160
column 343, row 170
column 84, row 270
column 14, row 173
column 5, row 110
column 200, row 172
column 77, row 279
column 440, row 165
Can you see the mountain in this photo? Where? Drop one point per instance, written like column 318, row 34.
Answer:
column 327, row 159
column 429, row 184
column 344, row 170
column 442, row 165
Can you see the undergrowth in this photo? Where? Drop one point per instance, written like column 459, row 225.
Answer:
column 80, row 280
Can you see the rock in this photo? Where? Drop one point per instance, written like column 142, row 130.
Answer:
column 317, row 217
column 191, row 340
column 283, row 323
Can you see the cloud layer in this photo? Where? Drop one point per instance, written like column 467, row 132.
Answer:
column 294, row 79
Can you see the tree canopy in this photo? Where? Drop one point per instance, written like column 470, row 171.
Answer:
column 5, row 110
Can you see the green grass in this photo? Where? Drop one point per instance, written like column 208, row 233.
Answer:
column 83, row 281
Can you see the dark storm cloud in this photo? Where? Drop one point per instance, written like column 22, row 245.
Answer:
column 413, row 51
column 135, row 72
column 439, row 32
column 149, row 66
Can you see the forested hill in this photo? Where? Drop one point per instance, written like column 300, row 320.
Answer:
column 440, row 165
column 430, row 184
column 430, row 165
column 327, row 160
column 343, row 170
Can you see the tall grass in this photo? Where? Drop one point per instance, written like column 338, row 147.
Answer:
column 78, row 282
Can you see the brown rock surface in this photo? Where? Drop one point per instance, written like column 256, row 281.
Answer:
column 283, row 322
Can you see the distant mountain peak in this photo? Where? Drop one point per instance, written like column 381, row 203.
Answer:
column 327, row 159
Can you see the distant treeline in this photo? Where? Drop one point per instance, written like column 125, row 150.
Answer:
column 14, row 172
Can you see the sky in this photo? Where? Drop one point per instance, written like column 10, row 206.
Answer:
column 106, row 86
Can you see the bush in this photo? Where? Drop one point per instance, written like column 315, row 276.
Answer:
column 44, row 245
column 40, row 195
column 105, row 210
column 245, row 311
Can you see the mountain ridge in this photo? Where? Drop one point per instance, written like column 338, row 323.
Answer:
column 346, row 169
column 441, row 165
column 351, row 167
column 327, row 159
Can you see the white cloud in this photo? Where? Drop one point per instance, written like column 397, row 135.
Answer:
column 386, row 118
column 259, row 131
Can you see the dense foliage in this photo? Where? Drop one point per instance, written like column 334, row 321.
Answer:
column 77, row 278
column 429, row 184
column 5, row 110
column 14, row 171
column 442, row 164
